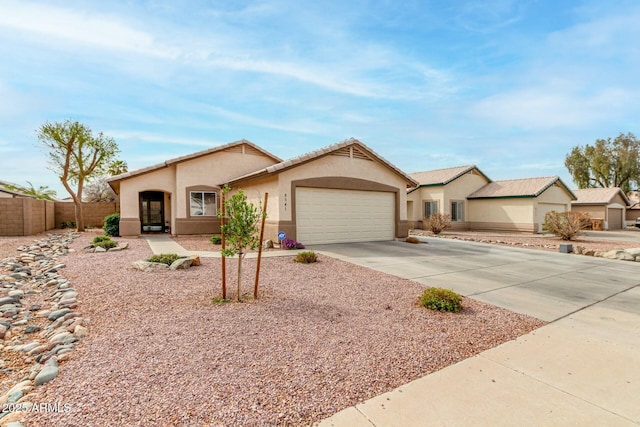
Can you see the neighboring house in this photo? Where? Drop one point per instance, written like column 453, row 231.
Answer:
column 7, row 193
column 444, row 191
column 518, row 204
column 341, row 193
column 607, row 204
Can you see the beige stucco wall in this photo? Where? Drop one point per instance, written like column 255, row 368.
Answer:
column 279, row 187
column 213, row 170
column 207, row 171
column 457, row 190
column 339, row 166
column 501, row 210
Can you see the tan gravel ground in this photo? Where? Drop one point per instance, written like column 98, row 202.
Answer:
column 201, row 243
column 531, row 241
column 323, row 337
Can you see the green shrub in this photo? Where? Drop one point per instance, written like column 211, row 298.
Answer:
column 412, row 240
column 164, row 258
column 441, row 299
column 107, row 244
column 306, row 257
column 112, row 225
column 68, row 224
column 99, row 239
column 216, row 239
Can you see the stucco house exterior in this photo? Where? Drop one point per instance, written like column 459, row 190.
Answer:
column 444, row 191
column 182, row 195
column 475, row 202
column 341, row 193
column 517, row 204
column 607, row 204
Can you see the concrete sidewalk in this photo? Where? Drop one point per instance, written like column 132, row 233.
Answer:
column 581, row 369
column 163, row 244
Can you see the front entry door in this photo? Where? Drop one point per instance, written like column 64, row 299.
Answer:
column 152, row 211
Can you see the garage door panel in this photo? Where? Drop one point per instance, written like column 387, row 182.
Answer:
column 331, row 216
column 614, row 218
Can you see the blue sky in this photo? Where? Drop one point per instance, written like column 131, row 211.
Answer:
column 509, row 86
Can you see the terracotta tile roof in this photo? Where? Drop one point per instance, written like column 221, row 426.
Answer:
column 312, row 155
column 598, row 196
column 527, row 187
column 169, row 162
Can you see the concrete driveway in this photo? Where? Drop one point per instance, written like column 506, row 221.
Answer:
column 542, row 284
column 579, row 370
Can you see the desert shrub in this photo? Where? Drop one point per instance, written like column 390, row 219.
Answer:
column 112, row 224
column 102, row 238
column 441, row 299
column 216, row 239
column 107, row 244
column 68, row 224
column 412, row 240
column 437, row 223
column 291, row 244
column 164, row 258
column 566, row 225
column 306, row 257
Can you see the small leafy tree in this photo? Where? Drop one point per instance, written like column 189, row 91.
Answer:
column 566, row 225
column 437, row 223
column 240, row 228
column 75, row 154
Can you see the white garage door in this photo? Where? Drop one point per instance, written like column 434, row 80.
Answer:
column 614, row 216
column 544, row 208
column 339, row 216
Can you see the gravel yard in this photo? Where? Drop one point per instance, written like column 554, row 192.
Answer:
column 531, row 241
column 323, row 337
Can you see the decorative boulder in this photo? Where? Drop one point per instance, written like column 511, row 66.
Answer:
column 149, row 266
column 181, row 264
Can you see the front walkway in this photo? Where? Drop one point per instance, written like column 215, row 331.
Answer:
column 163, row 244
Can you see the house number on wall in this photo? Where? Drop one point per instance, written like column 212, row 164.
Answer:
column 285, row 202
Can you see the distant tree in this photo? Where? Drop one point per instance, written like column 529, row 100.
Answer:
column 75, row 154
column 607, row 163
column 43, row 192
column 240, row 228
column 98, row 189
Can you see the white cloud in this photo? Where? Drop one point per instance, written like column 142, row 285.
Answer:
column 89, row 29
column 545, row 107
column 354, row 68
column 160, row 138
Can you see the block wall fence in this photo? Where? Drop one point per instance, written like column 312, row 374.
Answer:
column 26, row 216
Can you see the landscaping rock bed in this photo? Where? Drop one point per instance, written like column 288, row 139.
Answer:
column 39, row 323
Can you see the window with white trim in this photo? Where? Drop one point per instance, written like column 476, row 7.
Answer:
column 430, row 208
column 457, row 211
column 202, row 203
